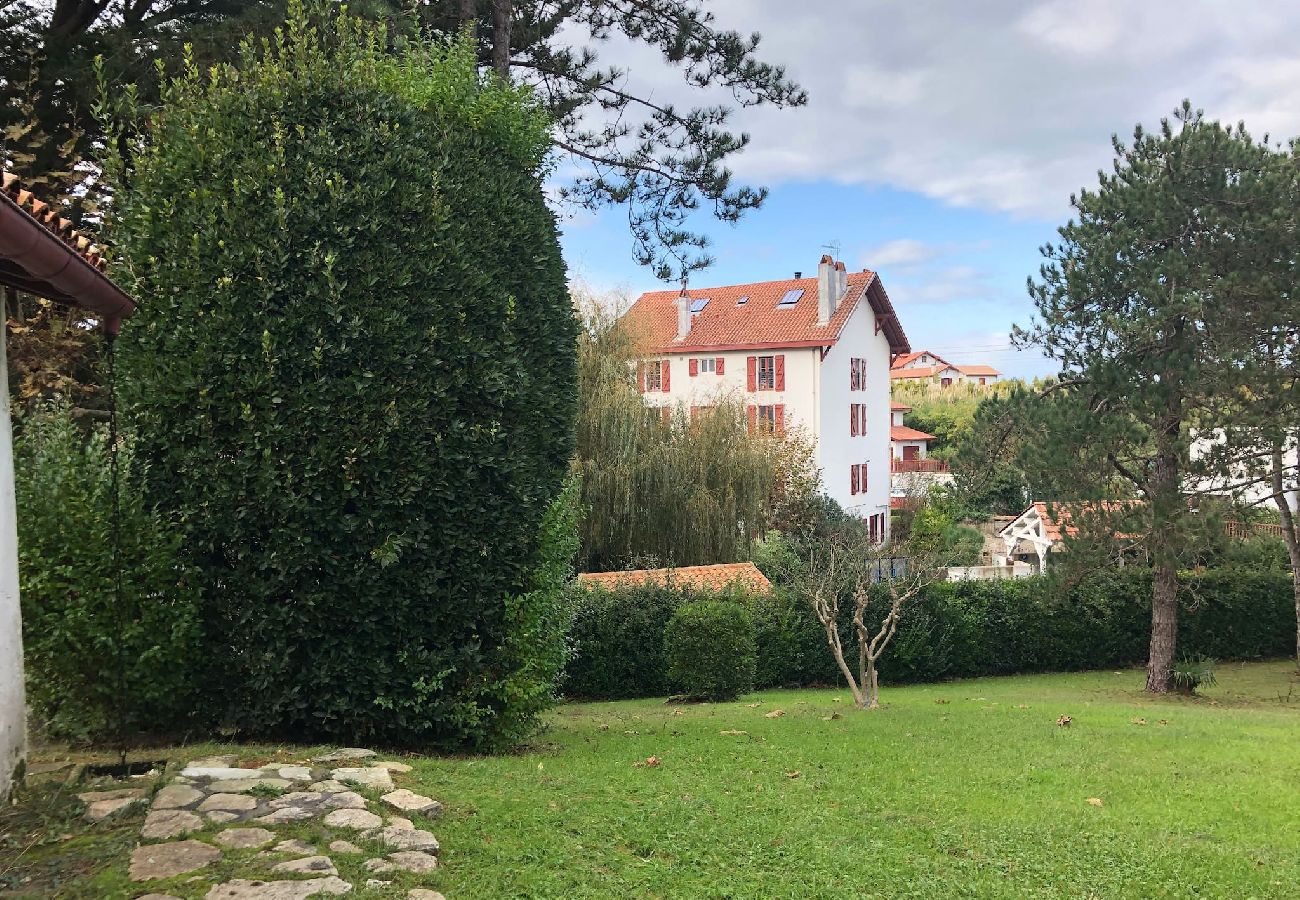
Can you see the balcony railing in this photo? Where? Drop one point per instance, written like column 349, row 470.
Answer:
column 920, row 465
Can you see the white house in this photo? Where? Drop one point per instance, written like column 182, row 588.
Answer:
column 924, row 365
column 909, row 444
column 810, row 353
column 913, row 472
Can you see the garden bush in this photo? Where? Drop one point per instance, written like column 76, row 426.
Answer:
column 710, row 649
column 100, row 665
column 353, row 374
column 966, row 629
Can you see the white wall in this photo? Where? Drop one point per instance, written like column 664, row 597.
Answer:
column 707, row 388
column 899, row 445
column 13, row 714
column 837, row 449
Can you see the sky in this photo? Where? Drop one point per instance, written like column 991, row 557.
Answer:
column 942, row 141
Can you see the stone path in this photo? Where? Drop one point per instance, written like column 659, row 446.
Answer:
column 247, row 804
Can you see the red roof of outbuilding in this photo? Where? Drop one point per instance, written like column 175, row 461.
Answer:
column 977, row 370
column 724, row 324
column 716, row 578
column 903, row 433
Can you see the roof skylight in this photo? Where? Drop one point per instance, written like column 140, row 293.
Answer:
column 742, row 300
column 698, row 304
column 791, row 297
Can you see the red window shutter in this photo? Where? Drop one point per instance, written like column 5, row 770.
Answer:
column 853, row 374
column 780, row 418
column 718, row 365
column 693, row 367
column 853, row 420
column 862, row 479
column 751, row 366
column 752, row 412
column 663, row 381
column 853, row 478
column 780, row 373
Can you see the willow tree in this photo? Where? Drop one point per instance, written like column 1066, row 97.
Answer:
column 1133, row 304
column 663, row 487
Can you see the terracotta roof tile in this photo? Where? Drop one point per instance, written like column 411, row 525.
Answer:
column 48, row 215
column 903, row 433
column 977, row 370
column 905, row 358
column 726, row 323
column 716, row 577
column 918, row 372
column 898, row 407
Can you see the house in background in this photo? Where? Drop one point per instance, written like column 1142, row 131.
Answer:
column 924, row 365
column 808, row 353
column 909, row 444
column 912, row 472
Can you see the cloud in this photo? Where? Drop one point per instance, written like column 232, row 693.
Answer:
column 904, row 252
column 1002, row 107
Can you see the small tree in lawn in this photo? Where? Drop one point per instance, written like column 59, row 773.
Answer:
column 844, row 573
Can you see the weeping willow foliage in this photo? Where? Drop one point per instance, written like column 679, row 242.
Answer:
column 671, row 492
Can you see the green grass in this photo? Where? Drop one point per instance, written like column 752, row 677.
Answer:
column 964, row 789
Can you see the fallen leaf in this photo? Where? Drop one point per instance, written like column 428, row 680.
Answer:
column 1023, row 706
column 1163, row 722
column 540, row 766
column 831, row 718
column 941, row 701
column 1064, row 721
column 604, row 728
column 732, row 732
column 755, row 705
column 652, row 761
column 1137, row 721
column 774, row 714
column 678, row 712
column 1095, row 801
column 795, row 774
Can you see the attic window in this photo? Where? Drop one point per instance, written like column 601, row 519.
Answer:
column 744, row 298
column 791, row 298
column 698, row 304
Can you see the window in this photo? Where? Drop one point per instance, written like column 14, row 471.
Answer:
column 767, row 419
column 857, row 374
column 876, row 528
column 698, row 304
column 790, row 298
column 707, row 366
column 765, row 373
column 857, row 419
column 945, row 382
column 653, row 376
column 858, row 478
column 982, row 381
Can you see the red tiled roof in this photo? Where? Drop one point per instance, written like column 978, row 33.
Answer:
column 717, row 577
column 898, row 407
column 758, row 323
column 906, row 358
column 48, row 215
column 41, row 253
column 977, row 370
column 903, row 433
column 1063, row 520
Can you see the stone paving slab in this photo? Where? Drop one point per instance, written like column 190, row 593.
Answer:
column 246, row 889
column 167, row 860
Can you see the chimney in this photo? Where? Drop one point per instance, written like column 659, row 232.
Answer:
column 798, row 275
column 842, row 282
column 683, row 316
column 827, row 289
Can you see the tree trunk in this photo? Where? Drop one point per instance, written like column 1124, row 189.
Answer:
column 872, row 688
column 1289, row 535
column 1167, row 507
column 469, row 17
column 501, row 10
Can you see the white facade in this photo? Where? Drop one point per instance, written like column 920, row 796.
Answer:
column 817, row 399
column 13, row 711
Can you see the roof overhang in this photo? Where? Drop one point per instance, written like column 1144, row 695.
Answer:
column 37, row 261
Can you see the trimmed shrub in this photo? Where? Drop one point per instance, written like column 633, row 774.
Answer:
column 710, row 650
column 100, row 665
column 618, row 641
column 967, row 629
column 354, row 379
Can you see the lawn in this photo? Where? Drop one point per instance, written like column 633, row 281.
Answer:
column 963, row 789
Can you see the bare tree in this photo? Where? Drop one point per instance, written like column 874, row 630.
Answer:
column 847, row 573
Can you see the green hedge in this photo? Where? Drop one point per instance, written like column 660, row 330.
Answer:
column 711, row 650
column 955, row 631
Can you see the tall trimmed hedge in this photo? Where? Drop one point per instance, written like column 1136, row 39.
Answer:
column 957, row 630
column 353, row 376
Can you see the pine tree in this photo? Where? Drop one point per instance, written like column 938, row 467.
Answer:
column 1133, row 303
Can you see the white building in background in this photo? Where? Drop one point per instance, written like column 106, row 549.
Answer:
column 808, row 353
column 924, row 365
